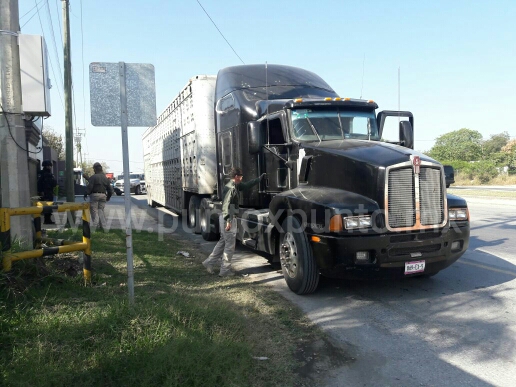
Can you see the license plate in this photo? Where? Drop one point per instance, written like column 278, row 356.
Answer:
column 414, row 267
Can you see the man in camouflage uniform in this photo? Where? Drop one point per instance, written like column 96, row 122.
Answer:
column 46, row 185
column 225, row 248
column 100, row 191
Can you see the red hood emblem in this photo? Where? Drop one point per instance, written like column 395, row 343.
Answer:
column 416, row 163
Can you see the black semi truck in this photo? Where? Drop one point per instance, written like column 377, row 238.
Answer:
column 338, row 200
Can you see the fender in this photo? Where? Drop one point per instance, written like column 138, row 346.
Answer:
column 316, row 205
column 456, row 201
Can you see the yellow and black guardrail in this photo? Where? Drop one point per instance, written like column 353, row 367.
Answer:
column 62, row 246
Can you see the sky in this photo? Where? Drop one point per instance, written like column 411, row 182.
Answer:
column 453, row 62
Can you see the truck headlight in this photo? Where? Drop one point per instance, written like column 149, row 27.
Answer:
column 354, row 222
column 458, row 214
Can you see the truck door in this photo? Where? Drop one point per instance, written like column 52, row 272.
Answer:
column 227, row 157
column 275, row 154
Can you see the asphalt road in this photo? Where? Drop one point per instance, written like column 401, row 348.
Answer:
column 457, row 328
column 510, row 188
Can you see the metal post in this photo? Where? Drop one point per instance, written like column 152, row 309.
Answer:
column 37, row 229
column 14, row 187
column 5, row 238
column 70, row 192
column 86, row 238
column 127, row 185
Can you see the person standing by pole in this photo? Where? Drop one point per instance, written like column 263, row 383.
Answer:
column 100, row 191
column 225, row 248
column 46, row 187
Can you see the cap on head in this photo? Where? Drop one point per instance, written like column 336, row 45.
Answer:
column 47, row 163
column 97, row 165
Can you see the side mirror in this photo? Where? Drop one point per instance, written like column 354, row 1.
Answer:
column 255, row 136
column 406, row 134
column 380, row 119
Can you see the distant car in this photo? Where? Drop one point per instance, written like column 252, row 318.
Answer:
column 449, row 174
column 137, row 182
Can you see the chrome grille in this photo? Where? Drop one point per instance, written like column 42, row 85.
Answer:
column 415, row 201
column 431, row 196
column 401, row 192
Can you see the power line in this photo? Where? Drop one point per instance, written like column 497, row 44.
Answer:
column 35, row 13
column 220, row 32
column 54, row 43
column 74, row 110
column 11, row 133
column 73, row 102
column 22, row 16
column 59, row 22
column 83, row 72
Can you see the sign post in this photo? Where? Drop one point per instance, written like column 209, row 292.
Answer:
column 127, row 183
column 123, row 94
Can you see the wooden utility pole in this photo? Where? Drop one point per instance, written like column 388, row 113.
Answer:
column 14, row 171
column 70, row 193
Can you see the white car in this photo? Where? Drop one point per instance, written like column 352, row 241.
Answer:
column 137, row 181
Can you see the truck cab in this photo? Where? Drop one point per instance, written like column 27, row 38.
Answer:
column 337, row 201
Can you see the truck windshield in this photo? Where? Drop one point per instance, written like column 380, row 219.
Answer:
column 321, row 125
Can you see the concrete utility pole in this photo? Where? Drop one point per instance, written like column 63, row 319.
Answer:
column 70, row 195
column 14, row 171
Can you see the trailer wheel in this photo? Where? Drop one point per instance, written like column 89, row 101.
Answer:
column 297, row 261
column 208, row 232
column 193, row 214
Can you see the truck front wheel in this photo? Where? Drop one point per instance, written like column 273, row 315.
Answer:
column 297, row 261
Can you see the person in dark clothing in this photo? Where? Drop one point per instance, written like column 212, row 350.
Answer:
column 100, row 191
column 225, row 248
column 46, row 185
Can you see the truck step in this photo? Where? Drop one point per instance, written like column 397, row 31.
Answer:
column 249, row 242
column 258, row 215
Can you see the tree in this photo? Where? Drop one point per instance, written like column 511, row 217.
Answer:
column 463, row 145
column 510, row 150
column 87, row 167
column 495, row 144
column 54, row 141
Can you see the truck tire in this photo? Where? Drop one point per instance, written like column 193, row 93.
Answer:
column 208, row 232
column 297, row 262
column 137, row 190
column 193, row 214
column 118, row 193
column 151, row 202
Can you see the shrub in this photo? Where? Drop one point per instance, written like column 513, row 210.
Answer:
column 484, row 171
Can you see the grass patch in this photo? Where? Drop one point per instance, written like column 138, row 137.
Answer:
column 187, row 328
column 463, row 179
